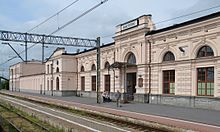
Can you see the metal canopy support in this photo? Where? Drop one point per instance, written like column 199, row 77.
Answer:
column 98, row 69
column 48, row 39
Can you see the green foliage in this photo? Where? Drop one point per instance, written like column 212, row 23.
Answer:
column 5, row 85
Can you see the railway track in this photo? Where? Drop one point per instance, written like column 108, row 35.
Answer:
column 90, row 121
column 19, row 122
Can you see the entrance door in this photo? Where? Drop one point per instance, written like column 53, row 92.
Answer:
column 131, row 83
column 107, row 83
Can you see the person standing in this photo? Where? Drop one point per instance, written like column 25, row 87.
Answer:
column 108, row 97
column 104, row 97
column 118, row 97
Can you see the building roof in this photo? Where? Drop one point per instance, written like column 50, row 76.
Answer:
column 200, row 19
column 85, row 51
column 134, row 19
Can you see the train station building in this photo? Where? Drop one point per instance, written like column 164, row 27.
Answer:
column 178, row 65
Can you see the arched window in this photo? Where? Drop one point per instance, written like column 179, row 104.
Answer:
column 169, row 56
column 57, row 84
column 131, row 59
column 57, row 70
column 82, row 69
column 107, row 65
column 205, row 51
column 93, row 67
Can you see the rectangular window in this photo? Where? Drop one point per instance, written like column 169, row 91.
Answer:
column 169, row 82
column 48, row 69
column 82, row 83
column 205, row 81
column 51, row 84
column 107, row 83
column 51, row 68
column 93, row 83
column 48, row 86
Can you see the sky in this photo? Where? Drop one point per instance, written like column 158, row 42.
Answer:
column 22, row 15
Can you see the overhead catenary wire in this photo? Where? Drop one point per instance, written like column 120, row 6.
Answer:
column 57, row 13
column 40, row 25
column 62, row 27
column 167, row 20
column 185, row 15
column 107, row 36
column 78, row 17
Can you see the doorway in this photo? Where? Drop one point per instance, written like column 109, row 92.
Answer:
column 107, row 83
column 131, row 84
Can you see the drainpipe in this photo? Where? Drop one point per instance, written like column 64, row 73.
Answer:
column 114, row 73
column 44, row 82
column 77, row 76
column 52, row 79
column 149, row 68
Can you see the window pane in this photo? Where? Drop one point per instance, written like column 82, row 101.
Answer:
column 210, row 74
column 166, row 88
column 205, row 51
column 212, row 85
column 131, row 59
column 209, row 51
column 203, row 85
column 199, row 91
column 208, row 85
column 169, row 56
column 203, row 92
column 199, row 85
column 212, row 92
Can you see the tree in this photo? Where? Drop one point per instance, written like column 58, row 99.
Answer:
column 5, row 85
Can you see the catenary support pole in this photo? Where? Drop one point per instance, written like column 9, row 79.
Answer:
column 43, row 50
column 26, row 48
column 98, row 69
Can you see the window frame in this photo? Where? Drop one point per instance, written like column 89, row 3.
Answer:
column 206, row 82
column 169, row 81
column 83, row 83
column 57, row 70
column 93, row 83
column 57, row 84
column 82, row 69
column 171, row 57
column 131, row 56
column 107, row 65
column 93, row 68
column 206, row 54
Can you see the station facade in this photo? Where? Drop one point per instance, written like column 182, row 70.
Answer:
column 175, row 65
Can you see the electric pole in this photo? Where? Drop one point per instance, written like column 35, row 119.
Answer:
column 98, row 69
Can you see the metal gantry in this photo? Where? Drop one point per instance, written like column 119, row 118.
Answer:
column 43, row 40
column 46, row 39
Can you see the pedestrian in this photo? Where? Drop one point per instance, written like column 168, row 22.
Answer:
column 108, row 97
column 104, row 97
column 118, row 97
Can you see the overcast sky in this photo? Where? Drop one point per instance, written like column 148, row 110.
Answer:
column 22, row 15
